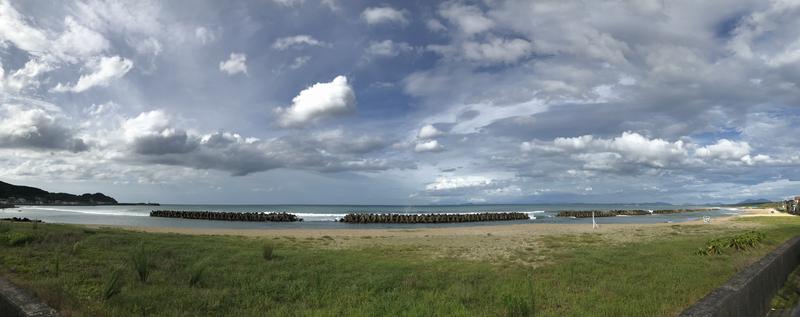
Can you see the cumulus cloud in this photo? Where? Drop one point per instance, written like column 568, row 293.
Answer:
column 237, row 63
column 632, row 151
column 155, row 138
column 428, row 131
column 387, row 48
column 319, row 101
column 37, row 127
column 104, row 71
column 151, row 133
column 383, row 15
column 296, row 41
column 428, row 146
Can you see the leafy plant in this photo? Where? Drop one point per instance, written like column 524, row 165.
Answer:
column 113, row 285
column 141, row 262
column 740, row 242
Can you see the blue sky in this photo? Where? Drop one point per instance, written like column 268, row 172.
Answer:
column 406, row 102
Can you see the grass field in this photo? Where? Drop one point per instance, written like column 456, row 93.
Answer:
column 110, row 272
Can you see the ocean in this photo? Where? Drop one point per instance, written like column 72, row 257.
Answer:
column 325, row 216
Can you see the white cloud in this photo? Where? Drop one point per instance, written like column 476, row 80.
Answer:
column 319, row 101
column 725, row 149
column 435, row 26
column 497, row 50
column 632, row 150
column 26, row 76
column 104, row 71
column 299, row 62
column 462, row 182
column 204, row 35
column 387, row 48
column 237, row 63
column 386, row 14
column 15, row 29
column 151, row 133
column 469, row 19
column 428, row 131
column 78, row 40
column 296, row 41
column 428, row 146
column 288, row 3
column 41, row 126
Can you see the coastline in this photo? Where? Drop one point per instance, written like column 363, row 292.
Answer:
column 532, row 229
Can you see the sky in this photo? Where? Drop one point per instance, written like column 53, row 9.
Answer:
column 402, row 102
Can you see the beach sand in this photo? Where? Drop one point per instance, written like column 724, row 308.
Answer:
column 496, row 242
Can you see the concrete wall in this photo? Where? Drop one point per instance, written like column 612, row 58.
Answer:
column 15, row 302
column 750, row 291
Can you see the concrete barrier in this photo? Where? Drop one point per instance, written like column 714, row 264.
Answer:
column 749, row 292
column 15, row 302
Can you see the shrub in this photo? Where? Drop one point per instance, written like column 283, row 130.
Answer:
column 740, row 242
column 141, row 262
column 266, row 251
column 113, row 285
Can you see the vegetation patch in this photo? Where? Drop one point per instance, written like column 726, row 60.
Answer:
column 584, row 275
column 17, row 238
column 738, row 242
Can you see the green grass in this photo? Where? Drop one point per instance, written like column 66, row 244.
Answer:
column 585, row 275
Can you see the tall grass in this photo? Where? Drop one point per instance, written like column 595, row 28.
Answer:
column 196, row 273
column 266, row 251
column 140, row 258
column 582, row 275
column 113, row 284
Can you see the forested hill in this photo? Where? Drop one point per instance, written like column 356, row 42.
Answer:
column 15, row 194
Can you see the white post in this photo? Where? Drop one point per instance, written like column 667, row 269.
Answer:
column 594, row 224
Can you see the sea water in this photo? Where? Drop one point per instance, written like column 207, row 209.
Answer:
column 325, row 216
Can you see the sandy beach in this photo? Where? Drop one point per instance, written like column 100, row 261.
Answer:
column 496, row 242
column 533, row 229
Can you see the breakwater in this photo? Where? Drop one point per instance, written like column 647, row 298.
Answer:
column 433, row 218
column 626, row 212
column 227, row 216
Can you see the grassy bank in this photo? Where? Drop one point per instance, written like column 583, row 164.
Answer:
column 99, row 272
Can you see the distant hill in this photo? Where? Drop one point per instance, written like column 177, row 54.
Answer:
column 15, row 194
column 754, row 201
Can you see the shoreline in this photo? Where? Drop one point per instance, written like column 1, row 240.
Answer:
column 531, row 229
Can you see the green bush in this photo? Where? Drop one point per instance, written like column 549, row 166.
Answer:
column 141, row 262
column 740, row 242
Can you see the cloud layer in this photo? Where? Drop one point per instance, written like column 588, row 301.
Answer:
column 432, row 102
